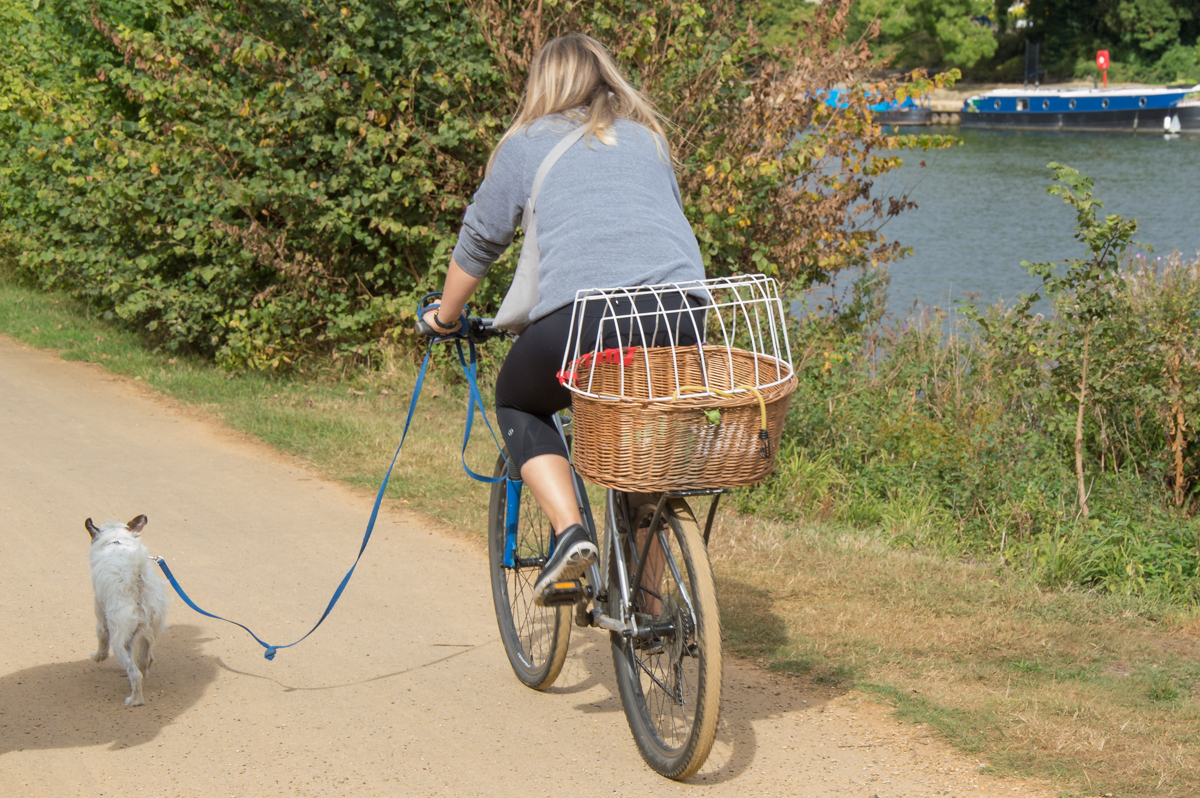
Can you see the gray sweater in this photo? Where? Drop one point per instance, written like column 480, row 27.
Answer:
column 606, row 216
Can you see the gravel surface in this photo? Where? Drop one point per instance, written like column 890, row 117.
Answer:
column 404, row 691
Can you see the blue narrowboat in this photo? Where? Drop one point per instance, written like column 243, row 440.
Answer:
column 1141, row 110
column 905, row 113
column 889, row 112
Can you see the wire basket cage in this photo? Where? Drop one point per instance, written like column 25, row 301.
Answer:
column 678, row 386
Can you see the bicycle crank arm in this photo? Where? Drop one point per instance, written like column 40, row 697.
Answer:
column 659, row 629
column 611, row 624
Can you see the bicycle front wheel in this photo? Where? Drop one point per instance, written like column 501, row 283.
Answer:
column 669, row 671
column 535, row 638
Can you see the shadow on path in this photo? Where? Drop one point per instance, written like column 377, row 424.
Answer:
column 748, row 696
column 383, row 676
column 77, row 704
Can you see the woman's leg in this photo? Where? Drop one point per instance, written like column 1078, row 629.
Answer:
column 528, row 395
column 549, row 479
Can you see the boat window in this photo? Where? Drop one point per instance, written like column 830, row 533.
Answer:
column 1141, row 102
column 1022, row 105
column 1045, row 105
column 1104, row 103
column 1071, row 105
column 996, row 105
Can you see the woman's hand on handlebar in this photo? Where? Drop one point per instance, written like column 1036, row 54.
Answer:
column 459, row 287
column 437, row 328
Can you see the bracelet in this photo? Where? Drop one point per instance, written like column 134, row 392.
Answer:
column 438, row 321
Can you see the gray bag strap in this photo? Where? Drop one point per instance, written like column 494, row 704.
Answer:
column 561, row 147
column 522, row 295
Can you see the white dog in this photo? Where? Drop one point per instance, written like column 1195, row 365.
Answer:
column 131, row 603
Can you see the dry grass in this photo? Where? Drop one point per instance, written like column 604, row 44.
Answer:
column 1100, row 693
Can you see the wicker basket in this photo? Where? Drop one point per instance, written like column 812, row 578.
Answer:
column 650, row 440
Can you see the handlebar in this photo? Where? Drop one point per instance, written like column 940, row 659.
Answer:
column 474, row 328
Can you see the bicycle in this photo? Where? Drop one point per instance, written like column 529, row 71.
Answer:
column 667, row 661
column 653, row 590
column 665, row 631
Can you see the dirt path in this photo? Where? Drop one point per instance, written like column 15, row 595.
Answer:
column 404, row 691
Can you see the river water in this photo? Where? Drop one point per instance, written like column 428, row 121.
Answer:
column 983, row 207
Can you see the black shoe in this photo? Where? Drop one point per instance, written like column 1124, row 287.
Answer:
column 574, row 553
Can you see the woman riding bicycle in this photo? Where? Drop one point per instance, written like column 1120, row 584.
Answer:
column 609, row 215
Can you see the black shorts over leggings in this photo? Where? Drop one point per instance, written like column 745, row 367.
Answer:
column 528, row 392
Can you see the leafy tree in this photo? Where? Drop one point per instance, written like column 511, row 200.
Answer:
column 250, row 179
column 930, row 33
column 778, row 21
column 1120, row 343
column 776, row 180
column 1089, row 349
column 1154, row 40
column 1151, row 25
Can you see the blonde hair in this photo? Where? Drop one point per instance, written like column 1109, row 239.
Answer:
column 575, row 76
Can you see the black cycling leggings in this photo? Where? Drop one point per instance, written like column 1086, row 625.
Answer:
column 528, row 392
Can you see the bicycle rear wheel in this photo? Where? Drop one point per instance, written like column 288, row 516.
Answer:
column 535, row 638
column 669, row 674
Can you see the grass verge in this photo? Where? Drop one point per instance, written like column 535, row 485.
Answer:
column 1099, row 693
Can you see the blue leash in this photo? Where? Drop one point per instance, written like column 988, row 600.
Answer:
column 475, row 399
column 469, row 368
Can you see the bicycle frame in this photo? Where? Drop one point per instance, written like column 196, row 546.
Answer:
column 616, row 507
column 664, row 623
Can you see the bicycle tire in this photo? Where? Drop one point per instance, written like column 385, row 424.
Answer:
column 535, row 638
column 670, row 686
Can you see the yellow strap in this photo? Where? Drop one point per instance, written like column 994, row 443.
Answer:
column 762, row 405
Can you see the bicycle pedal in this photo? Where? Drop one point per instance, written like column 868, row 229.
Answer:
column 563, row 593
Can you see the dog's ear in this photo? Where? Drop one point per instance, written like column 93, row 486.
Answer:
column 135, row 526
column 91, row 528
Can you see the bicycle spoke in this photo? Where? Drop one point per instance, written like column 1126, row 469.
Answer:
column 535, row 625
column 669, row 675
column 677, row 694
column 535, row 638
column 680, row 583
column 666, row 683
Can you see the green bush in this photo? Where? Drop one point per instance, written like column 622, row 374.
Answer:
column 1066, row 445
column 269, row 179
column 246, row 178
